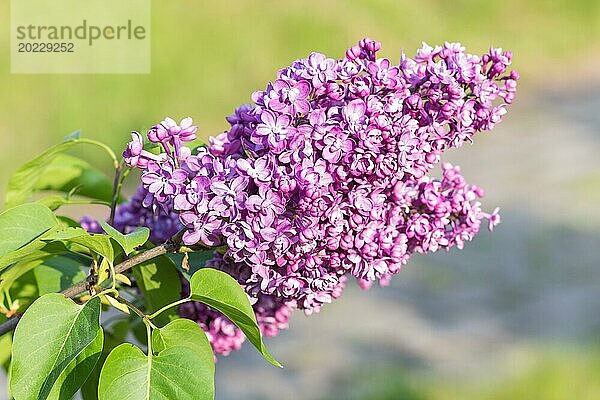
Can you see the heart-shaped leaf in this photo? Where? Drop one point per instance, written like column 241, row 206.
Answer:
column 51, row 334
column 172, row 374
column 116, row 335
column 222, row 293
column 187, row 333
column 76, row 373
column 129, row 241
column 183, row 332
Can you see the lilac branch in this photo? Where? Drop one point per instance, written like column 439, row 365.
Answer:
column 170, row 246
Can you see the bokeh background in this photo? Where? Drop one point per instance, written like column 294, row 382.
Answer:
column 515, row 315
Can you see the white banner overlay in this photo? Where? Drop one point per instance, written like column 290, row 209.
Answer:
column 74, row 36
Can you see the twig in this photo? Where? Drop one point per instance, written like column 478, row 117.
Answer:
column 9, row 324
column 170, row 246
column 115, row 195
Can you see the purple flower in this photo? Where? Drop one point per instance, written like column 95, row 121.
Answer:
column 319, row 68
column 266, row 203
column 314, row 174
column 383, row 74
column 261, row 169
column 427, row 53
column 335, row 145
column 274, row 129
column 192, row 194
column 163, row 181
column 201, row 228
column 185, row 131
column 135, row 155
column 354, row 111
column 169, row 133
column 159, row 134
column 289, row 98
column 134, row 150
column 229, row 197
column 493, row 218
column 90, row 224
column 440, row 73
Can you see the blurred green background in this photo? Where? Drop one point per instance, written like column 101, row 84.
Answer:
column 513, row 316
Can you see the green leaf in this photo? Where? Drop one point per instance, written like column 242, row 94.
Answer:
column 33, row 174
column 24, row 291
column 52, row 333
column 221, row 292
column 172, row 374
column 95, row 242
column 37, row 247
column 65, row 172
column 23, row 182
column 8, row 278
column 67, row 233
column 183, row 332
column 187, row 333
column 159, row 282
column 19, row 286
column 57, row 274
column 30, row 252
column 115, row 335
column 22, row 225
column 53, row 202
column 76, row 373
column 66, row 222
column 100, row 244
column 129, row 241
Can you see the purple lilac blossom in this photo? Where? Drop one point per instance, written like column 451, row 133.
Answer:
column 328, row 174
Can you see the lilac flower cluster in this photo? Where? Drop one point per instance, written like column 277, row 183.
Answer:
column 327, row 174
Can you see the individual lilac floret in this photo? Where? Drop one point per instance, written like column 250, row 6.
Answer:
column 135, row 155
column 171, row 135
